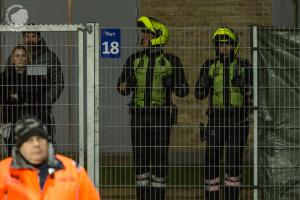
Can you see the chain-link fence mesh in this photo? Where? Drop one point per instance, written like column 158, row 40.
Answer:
column 278, row 119
column 176, row 122
column 39, row 76
column 136, row 146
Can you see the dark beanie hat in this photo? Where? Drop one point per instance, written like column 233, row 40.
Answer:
column 27, row 127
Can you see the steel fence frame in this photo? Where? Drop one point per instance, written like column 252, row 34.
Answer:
column 255, row 114
column 90, row 103
column 192, row 32
column 79, row 29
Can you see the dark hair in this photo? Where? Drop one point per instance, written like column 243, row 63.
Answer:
column 38, row 33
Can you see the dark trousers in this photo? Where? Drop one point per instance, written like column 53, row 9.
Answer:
column 150, row 140
column 231, row 135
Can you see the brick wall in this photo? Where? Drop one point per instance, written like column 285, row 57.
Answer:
column 209, row 12
column 191, row 24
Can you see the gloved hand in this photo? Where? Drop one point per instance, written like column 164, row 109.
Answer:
column 167, row 81
column 131, row 82
column 207, row 81
column 203, row 132
column 13, row 98
column 237, row 81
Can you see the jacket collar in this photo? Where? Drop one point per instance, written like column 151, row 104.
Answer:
column 152, row 51
column 20, row 163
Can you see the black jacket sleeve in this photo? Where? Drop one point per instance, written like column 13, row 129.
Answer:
column 127, row 72
column 2, row 88
column 55, row 79
column 180, row 84
column 8, row 86
column 247, row 84
column 201, row 90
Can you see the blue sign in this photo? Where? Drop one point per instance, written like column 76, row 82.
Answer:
column 110, row 43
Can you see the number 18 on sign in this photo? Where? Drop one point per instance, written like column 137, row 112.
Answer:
column 110, row 43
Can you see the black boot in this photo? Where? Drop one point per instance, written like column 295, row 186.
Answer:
column 212, row 195
column 143, row 193
column 231, row 193
column 158, row 193
column 143, row 186
column 158, row 187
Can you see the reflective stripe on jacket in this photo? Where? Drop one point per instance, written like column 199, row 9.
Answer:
column 216, row 72
column 162, row 67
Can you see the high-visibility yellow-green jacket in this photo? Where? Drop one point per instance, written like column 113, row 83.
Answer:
column 149, row 68
column 222, row 93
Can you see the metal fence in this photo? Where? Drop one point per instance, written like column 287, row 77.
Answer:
column 268, row 151
column 130, row 151
column 47, row 83
column 186, row 151
column 57, row 82
column 278, row 112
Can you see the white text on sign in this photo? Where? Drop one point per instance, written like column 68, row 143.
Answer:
column 109, row 34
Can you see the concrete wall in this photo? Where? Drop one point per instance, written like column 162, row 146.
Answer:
column 283, row 13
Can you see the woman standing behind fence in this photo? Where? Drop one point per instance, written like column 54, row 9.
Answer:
column 20, row 93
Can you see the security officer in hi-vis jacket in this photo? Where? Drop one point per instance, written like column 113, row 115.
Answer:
column 227, row 81
column 152, row 75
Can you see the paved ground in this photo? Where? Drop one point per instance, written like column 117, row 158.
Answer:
column 172, row 194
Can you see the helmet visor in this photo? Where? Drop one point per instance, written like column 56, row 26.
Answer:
column 224, row 39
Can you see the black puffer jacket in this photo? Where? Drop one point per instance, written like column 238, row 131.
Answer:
column 31, row 96
column 42, row 56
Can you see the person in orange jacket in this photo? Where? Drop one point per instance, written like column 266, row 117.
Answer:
column 34, row 172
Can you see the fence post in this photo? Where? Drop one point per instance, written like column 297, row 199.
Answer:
column 97, row 104
column 90, row 100
column 81, row 98
column 255, row 113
